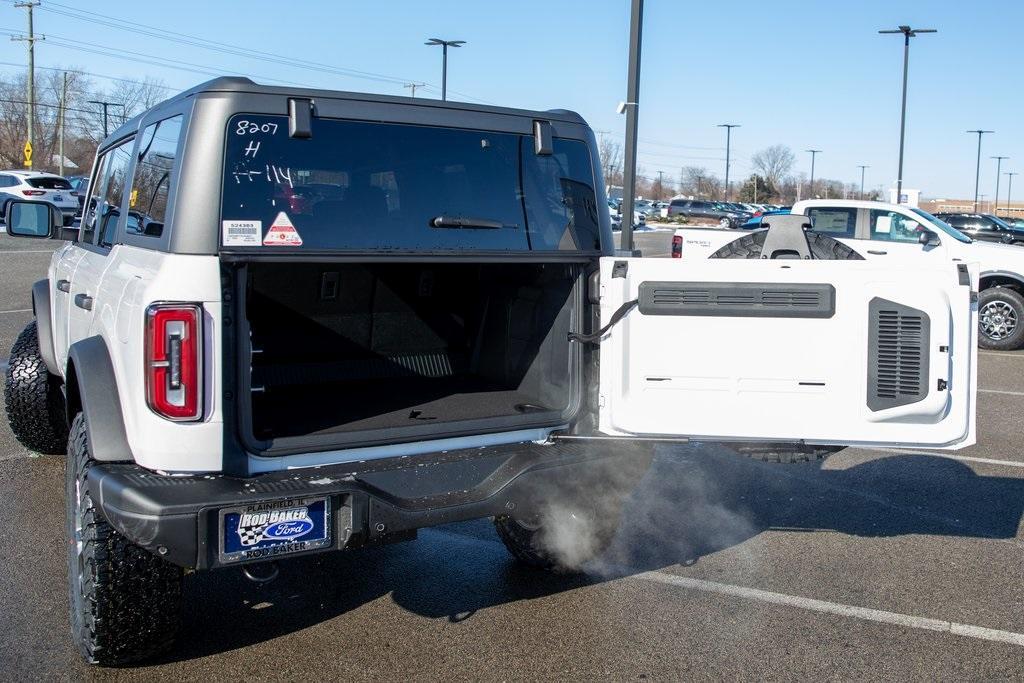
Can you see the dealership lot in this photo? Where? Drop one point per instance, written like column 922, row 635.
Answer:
column 868, row 565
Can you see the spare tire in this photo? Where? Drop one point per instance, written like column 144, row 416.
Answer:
column 821, row 246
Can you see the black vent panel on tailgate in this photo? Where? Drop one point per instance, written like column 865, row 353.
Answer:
column 738, row 300
column 898, row 341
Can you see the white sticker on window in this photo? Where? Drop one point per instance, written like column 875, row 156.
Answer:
column 242, row 233
column 883, row 225
column 282, row 233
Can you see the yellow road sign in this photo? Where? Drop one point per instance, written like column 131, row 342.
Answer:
column 28, row 153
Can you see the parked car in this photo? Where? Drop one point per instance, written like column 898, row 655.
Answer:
column 898, row 235
column 984, row 227
column 704, row 209
column 79, row 186
column 755, row 222
column 248, row 382
column 41, row 187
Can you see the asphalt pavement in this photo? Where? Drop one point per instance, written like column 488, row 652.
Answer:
column 868, row 565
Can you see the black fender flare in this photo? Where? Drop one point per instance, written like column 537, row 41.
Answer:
column 44, row 325
column 92, row 388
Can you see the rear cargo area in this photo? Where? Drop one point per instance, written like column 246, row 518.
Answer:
column 370, row 352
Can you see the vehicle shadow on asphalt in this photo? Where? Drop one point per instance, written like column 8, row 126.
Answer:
column 693, row 502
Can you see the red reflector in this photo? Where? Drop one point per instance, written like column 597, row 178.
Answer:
column 174, row 356
column 677, row 246
column 33, row 193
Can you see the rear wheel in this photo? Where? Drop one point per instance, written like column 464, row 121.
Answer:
column 125, row 602
column 1000, row 319
column 564, row 537
column 33, row 398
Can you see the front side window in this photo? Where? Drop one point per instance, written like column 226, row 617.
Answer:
column 835, row 222
column 379, row 186
column 891, row 226
column 147, row 203
column 87, row 233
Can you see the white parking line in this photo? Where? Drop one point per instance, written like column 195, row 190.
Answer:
column 799, row 602
column 941, row 454
column 1004, row 355
column 17, row 310
column 1001, row 391
column 826, row 607
column 25, row 251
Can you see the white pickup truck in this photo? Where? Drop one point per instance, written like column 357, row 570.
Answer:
column 892, row 232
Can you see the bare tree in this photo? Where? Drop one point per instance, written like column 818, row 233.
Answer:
column 774, row 163
column 611, row 160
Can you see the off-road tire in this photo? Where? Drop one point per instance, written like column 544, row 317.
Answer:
column 1012, row 298
column 125, row 602
column 529, row 542
column 821, row 246
column 33, row 398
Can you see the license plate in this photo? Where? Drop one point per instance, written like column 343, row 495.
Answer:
column 274, row 528
column 58, row 197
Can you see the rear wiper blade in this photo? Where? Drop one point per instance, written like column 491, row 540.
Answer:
column 465, row 222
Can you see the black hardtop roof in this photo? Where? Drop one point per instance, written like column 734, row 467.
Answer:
column 239, row 84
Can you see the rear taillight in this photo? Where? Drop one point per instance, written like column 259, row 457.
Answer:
column 677, row 246
column 33, row 193
column 174, row 359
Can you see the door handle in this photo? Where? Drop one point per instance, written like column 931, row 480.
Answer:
column 64, row 285
column 877, row 253
column 83, row 301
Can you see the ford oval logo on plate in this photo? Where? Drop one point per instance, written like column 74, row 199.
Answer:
column 286, row 531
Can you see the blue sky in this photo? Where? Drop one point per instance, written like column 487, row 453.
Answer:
column 805, row 74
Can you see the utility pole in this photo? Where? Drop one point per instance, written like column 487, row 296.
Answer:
column 755, row 188
column 105, row 105
column 728, row 143
column 977, row 168
column 810, row 188
column 630, row 107
column 661, row 185
column 862, row 167
column 999, row 165
column 1009, row 190
column 63, row 110
column 31, row 39
column 413, row 86
column 908, row 33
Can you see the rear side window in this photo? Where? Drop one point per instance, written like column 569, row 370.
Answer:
column 157, row 158
column 380, row 186
column 836, row 222
column 49, row 183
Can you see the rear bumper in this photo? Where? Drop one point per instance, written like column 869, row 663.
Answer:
column 177, row 518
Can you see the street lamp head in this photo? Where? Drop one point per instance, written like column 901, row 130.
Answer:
column 980, row 132
column 728, row 125
column 621, row 109
column 448, row 43
column 907, row 31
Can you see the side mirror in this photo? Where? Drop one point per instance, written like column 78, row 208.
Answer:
column 927, row 238
column 38, row 220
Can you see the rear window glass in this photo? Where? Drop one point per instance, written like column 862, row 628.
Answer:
column 840, row 222
column 377, row 186
column 49, row 183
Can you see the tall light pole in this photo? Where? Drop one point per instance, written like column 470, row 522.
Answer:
column 1009, row 189
column 814, row 153
column 728, row 147
column 629, row 108
column 413, row 86
column 862, row 167
column 999, row 164
column 977, row 168
column 445, row 44
column 907, row 33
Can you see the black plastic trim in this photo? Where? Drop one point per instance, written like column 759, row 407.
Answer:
column 389, row 498
column 899, row 350
column 44, row 325
column 96, row 387
column 738, row 300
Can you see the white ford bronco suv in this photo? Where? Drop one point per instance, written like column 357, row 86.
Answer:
column 298, row 321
